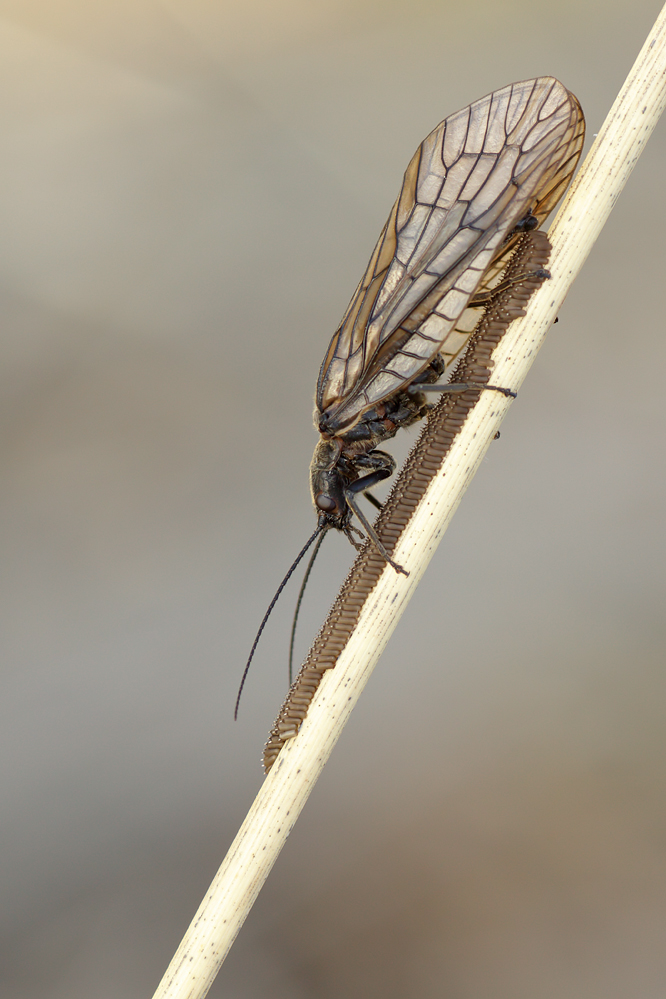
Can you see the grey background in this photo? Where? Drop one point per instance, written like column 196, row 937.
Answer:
column 189, row 194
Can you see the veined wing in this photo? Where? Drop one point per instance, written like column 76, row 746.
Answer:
column 448, row 236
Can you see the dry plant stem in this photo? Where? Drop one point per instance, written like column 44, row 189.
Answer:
column 285, row 790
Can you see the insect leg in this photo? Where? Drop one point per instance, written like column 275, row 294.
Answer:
column 485, row 298
column 375, row 502
column 384, row 467
column 368, row 481
column 462, row 387
column 370, row 531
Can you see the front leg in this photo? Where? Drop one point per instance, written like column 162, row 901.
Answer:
column 380, row 465
column 383, row 466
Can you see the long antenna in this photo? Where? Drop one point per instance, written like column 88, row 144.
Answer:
column 272, row 604
column 300, row 600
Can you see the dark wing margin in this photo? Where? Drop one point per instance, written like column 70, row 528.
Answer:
column 448, row 236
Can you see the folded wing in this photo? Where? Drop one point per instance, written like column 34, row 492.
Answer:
column 469, row 183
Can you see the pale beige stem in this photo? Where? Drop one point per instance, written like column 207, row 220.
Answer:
column 284, row 792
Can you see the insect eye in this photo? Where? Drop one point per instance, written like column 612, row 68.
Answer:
column 325, row 503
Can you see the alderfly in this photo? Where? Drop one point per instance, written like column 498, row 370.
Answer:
column 482, row 177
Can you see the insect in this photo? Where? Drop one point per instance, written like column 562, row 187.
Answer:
column 482, row 177
column 485, row 174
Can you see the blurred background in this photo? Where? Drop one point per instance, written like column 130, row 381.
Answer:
column 190, row 193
